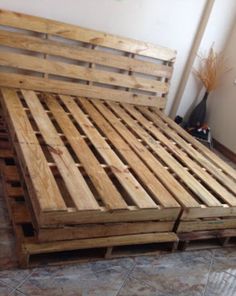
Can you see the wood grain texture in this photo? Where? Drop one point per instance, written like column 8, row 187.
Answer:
column 49, row 196
column 41, row 65
column 158, row 190
column 77, row 187
column 63, row 54
column 70, row 88
column 58, row 49
column 42, row 25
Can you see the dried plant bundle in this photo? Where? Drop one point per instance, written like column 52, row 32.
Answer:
column 211, row 69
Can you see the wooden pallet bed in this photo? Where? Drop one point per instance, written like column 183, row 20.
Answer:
column 84, row 114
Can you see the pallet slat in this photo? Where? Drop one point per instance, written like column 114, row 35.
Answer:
column 42, row 65
column 50, row 197
column 178, row 169
column 158, row 190
column 49, row 47
column 71, row 88
column 42, row 25
column 111, row 197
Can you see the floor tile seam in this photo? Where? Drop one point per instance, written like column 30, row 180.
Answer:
column 23, row 281
column 143, row 281
column 230, row 273
column 209, row 272
column 126, row 277
column 6, row 284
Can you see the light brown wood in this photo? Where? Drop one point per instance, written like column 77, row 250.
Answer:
column 131, row 185
column 41, row 65
column 101, row 242
column 219, row 163
column 70, row 88
column 77, row 187
column 49, row 197
column 165, row 156
column 102, row 230
column 59, row 49
column 199, row 225
column 42, row 25
column 193, row 165
column 56, row 61
column 111, row 197
column 158, row 190
column 82, row 114
column 196, row 155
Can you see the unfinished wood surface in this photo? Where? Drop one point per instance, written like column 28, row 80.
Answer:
column 199, row 225
column 89, row 171
column 154, row 185
column 61, row 63
column 50, row 197
column 16, row 198
column 83, row 54
column 211, row 157
column 64, row 87
column 130, row 151
column 160, row 151
column 42, row 25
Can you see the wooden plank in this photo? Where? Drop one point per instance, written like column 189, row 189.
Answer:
column 102, row 230
column 198, row 146
column 199, row 235
column 198, row 225
column 70, row 88
column 197, row 155
column 32, row 63
column 136, row 192
column 187, row 178
column 49, row 197
column 49, row 47
column 183, row 157
column 154, row 185
column 20, row 213
column 101, row 242
column 42, row 25
column 207, row 212
column 108, row 193
column 11, row 173
column 76, row 185
column 13, row 191
column 178, row 191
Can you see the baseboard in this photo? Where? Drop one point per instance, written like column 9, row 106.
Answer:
column 225, row 151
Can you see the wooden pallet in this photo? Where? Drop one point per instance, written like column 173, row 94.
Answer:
column 86, row 167
column 83, row 109
column 85, row 244
column 156, row 155
column 67, row 232
column 212, row 239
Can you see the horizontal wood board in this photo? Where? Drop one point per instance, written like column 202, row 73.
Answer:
column 47, row 55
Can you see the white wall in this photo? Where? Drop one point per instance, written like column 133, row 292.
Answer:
column 222, row 105
column 219, row 26
column 170, row 23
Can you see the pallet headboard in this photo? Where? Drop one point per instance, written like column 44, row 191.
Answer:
column 46, row 55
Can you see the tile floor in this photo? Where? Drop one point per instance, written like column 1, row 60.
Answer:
column 198, row 273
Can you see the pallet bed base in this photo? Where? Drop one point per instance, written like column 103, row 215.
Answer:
column 99, row 162
column 31, row 252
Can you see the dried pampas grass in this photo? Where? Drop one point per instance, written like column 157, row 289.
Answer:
column 211, row 69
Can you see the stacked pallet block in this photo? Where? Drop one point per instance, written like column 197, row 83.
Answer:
column 76, row 236
column 213, row 222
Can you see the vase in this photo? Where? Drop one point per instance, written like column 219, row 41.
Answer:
column 198, row 115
